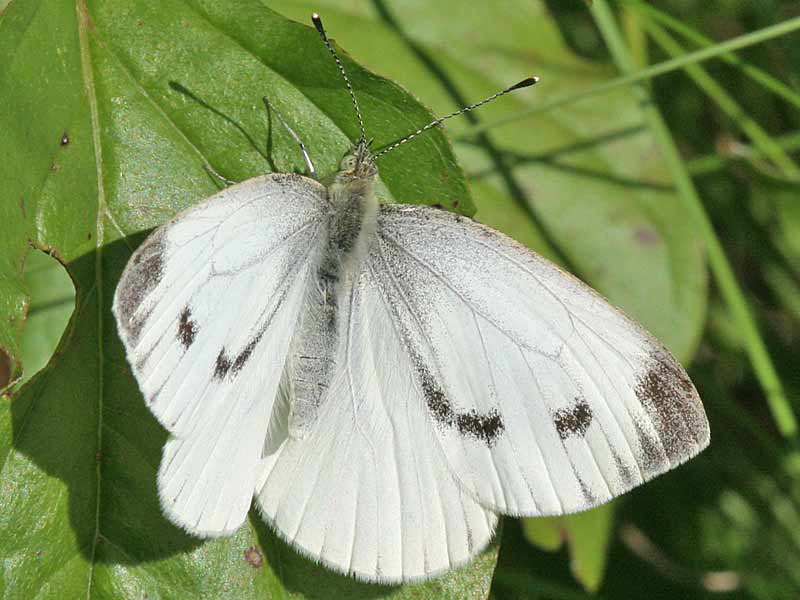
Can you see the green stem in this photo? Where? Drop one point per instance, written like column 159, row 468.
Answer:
column 737, row 43
column 762, row 364
column 769, row 82
column 714, row 162
column 760, row 138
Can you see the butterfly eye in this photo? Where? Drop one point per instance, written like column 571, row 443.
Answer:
column 348, row 163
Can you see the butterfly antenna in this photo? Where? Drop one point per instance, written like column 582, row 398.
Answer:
column 311, row 171
column 522, row 84
column 315, row 18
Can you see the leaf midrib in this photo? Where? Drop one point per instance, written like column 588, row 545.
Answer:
column 83, row 23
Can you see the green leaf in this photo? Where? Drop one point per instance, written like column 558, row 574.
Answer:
column 545, row 533
column 52, row 302
column 110, row 110
column 587, row 534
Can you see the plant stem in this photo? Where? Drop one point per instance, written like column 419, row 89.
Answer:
column 760, row 138
column 742, row 41
column 758, row 75
column 709, row 163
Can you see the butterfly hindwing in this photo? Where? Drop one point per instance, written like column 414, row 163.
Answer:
column 206, row 309
column 543, row 397
column 367, row 490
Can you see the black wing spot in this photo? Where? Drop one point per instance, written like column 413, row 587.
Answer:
column 187, row 328
column 669, row 397
column 139, row 280
column 653, row 457
column 486, row 428
column 573, row 421
column 626, row 475
column 588, row 496
column 224, row 363
column 244, row 355
column 222, row 366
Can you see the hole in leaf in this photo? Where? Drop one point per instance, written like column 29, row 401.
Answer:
column 52, row 302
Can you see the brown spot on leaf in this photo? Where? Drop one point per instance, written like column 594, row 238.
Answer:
column 5, row 369
column 573, row 421
column 646, row 236
column 254, row 557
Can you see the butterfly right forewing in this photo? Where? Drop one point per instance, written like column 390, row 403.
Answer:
column 544, row 398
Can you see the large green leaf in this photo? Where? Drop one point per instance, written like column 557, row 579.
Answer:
column 110, row 109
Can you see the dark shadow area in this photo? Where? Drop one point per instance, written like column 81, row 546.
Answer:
column 264, row 150
column 55, row 421
column 577, row 27
column 500, row 166
column 56, row 416
column 301, row 575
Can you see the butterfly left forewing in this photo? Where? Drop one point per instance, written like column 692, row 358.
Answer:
column 544, row 398
column 206, row 310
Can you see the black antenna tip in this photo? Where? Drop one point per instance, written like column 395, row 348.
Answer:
column 317, row 20
column 524, row 83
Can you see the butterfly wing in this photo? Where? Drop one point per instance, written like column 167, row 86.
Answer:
column 206, row 309
column 543, row 397
column 367, row 490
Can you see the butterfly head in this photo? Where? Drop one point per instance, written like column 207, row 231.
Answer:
column 358, row 163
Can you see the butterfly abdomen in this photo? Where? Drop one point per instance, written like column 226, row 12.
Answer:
column 314, row 348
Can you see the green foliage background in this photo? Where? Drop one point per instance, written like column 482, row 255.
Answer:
column 678, row 197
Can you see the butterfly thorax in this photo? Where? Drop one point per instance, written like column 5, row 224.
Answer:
column 350, row 228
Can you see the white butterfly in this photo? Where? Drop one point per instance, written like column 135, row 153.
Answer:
column 385, row 380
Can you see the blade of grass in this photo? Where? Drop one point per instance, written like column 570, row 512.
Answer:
column 760, row 138
column 758, row 75
column 749, row 39
column 710, row 163
column 759, row 357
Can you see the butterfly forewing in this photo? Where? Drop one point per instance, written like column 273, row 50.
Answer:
column 543, row 397
column 206, row 308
